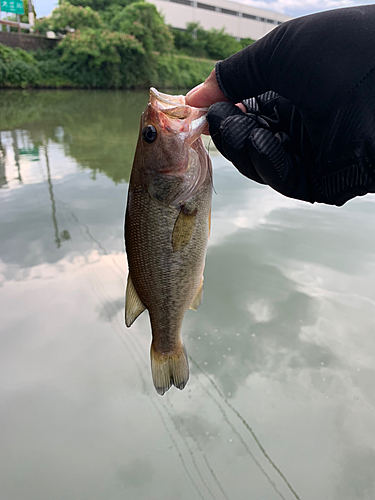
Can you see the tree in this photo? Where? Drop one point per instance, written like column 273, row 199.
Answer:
column 68, row 17
column 145, row 23
column 104, row 58
column 100, row 4
column 191, row 41
column 220, row 45
column 213, row 44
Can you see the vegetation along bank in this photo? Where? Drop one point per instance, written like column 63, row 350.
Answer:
column 115, row 44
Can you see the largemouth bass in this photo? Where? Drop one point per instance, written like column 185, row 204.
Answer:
column 167, row 226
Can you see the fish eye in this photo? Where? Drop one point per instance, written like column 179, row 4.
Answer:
column 149, row 134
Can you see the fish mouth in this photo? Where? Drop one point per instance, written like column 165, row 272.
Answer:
column 178, row 116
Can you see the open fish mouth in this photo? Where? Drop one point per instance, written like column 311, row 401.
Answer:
column 183, row 119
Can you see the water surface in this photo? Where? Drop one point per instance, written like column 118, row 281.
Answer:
column 281, row 398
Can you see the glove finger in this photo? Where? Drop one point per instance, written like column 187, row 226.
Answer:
column 261, row 103
column 230, row 129
column 279, row 168
column 216, row 115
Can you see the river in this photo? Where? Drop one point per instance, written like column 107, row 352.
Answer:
column 281, row 397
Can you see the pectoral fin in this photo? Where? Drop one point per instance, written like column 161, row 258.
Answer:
column 198, row 298
column 183, row 228
column 133, row 304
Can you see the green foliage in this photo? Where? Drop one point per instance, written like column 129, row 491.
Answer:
column 55, row 74
column 109, row 13
column 245, row 42
column 175, row 71
column 68, row 17
column 213, row 44
column 8, row 55
column 190, row 41
column 17, row 67
column 42, row 25
column 134, row 50
column 142, row 20
column 100, row 4
column 220, row 45
column 19, row 73
column 104, row 58
column 85, row 60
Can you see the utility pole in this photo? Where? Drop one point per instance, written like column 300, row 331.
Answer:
column 31, row 14
column 16, row 154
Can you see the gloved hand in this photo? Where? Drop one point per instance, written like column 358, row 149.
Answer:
column 314, row 139
column 265, row 144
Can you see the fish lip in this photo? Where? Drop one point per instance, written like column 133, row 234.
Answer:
column 174, row 116
column 172, row 100
column 166, row 98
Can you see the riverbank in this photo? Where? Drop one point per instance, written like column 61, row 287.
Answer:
column 46, row 69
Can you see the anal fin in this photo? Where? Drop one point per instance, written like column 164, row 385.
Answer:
column 197, row 301
column 133, row 304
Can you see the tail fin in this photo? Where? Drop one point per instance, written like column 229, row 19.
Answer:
column 170, row 368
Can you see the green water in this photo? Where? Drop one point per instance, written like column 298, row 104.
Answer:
column 281, row 398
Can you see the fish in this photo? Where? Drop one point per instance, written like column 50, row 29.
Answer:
column 167, row 227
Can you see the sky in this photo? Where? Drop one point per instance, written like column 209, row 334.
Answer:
column 292, row 8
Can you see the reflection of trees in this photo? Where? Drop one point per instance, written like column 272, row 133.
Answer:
column 99, row 128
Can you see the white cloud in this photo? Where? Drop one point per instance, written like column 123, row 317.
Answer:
column 289, row 7
column 302, row 7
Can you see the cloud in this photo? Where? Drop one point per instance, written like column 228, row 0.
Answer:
column 302, row 7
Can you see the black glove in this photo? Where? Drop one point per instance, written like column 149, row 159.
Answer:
column 315, row 139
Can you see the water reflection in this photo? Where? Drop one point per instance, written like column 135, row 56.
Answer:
column 3, row 178
column 281, row 397
column 97, row 129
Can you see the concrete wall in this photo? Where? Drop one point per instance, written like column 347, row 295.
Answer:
column 26, row 41
column 239, row 20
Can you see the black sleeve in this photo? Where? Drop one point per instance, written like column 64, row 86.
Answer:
column 312, row 61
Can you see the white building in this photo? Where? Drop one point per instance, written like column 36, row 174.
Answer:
column 239, row 20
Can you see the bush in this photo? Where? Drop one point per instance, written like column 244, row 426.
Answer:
column 17, row 67
column 213, row 44
column 174, row 71
column 42, row 25
column 8, row 55
column 4, row 70
column 22, row 74
column 54, row 74
column 104, row 59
